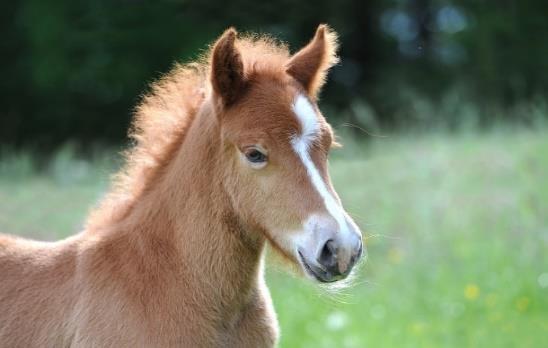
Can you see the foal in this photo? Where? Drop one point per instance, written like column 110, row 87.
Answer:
column 230, row 153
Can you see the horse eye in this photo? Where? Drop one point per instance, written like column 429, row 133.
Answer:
column 255, row 156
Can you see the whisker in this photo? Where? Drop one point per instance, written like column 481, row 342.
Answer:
column 354, row 214
column 380, row 235
column 365, row 131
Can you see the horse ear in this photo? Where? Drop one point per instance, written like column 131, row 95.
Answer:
column 309, row 66
column 227, row 69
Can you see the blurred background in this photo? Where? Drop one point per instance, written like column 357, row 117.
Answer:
column 442, row 106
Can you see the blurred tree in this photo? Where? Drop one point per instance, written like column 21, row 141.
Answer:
column 75, row 69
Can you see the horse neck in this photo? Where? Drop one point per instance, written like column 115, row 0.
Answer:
column 190, row 209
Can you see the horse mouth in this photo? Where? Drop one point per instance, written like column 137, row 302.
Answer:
column 317, row 273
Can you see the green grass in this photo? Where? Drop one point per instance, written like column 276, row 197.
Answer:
column 456, row 228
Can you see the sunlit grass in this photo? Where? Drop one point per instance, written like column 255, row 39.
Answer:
column 456, row 228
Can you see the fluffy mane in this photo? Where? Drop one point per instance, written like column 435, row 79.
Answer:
column 164, row 115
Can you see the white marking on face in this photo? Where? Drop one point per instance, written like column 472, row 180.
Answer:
column 308, row 119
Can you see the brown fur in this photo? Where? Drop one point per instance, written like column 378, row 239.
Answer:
column 172, row 256
column 309, row 66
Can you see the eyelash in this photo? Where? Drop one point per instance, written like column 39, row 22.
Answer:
column 255, row 156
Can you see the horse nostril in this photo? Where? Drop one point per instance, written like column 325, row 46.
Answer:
column 328, row 256
column 356, row 255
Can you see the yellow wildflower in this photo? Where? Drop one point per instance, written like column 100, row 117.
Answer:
column 522, row 303
column 471, row 292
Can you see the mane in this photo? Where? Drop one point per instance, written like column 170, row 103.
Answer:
column 163, row 117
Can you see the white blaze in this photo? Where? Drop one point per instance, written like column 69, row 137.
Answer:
column 301, row 144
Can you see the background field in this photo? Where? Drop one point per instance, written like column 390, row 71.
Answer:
column 456, row 227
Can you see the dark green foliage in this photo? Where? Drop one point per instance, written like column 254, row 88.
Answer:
column 73, row 70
